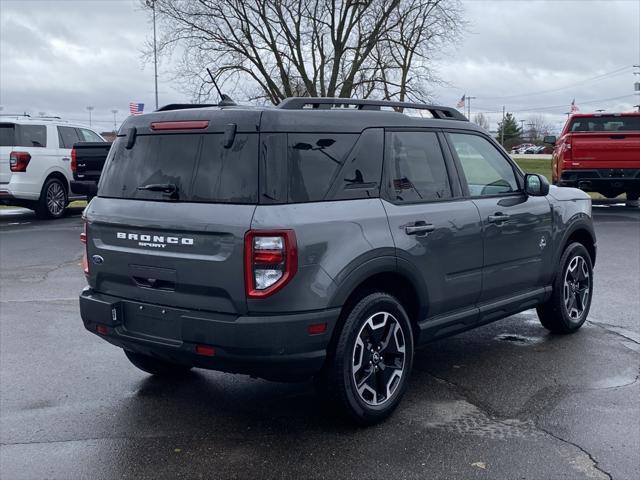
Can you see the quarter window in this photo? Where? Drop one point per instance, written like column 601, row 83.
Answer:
column 417, row 170
column 314, row 163
column 67, row 136
column 487, row 172
column 89, row 136
column 33, row 136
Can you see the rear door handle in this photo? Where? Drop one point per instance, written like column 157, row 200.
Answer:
column 498, row 218
column 419, row 227
column 65, row 159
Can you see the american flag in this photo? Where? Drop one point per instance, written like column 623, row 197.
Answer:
column 460, row 103
column 574, row 108
column 136, row 108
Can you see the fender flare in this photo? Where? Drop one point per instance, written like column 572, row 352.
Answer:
column 582, row 222
column 382, row 264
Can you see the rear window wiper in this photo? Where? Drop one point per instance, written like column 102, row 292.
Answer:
column 168, row 188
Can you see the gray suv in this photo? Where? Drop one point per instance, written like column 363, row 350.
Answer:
column 324, row 238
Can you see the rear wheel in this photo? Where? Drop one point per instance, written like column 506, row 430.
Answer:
column 156, row 366
column 368, row 373
column 53, row 199
column 568, row 307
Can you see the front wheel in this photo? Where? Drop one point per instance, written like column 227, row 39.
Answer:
column 369, row 371
column 568, row 307
column 156, row 366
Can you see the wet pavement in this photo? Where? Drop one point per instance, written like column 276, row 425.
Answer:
column 505, row 401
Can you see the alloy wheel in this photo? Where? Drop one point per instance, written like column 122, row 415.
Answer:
column 379, row 358
column 55, row 199
column 576, row 291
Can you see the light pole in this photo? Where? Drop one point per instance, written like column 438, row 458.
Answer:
column 114, row 111
column 152, row 4
column 90, row 108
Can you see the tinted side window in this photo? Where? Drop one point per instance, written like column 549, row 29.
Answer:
column 32, row 136
column 486, row 170
column 417, row 170
column 7, row 134
column 67, row 136
column 362, row 169
column 89, row 136
column 198, row 165
column 314, row 162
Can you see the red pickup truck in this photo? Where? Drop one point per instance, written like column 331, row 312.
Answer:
column 599, row 153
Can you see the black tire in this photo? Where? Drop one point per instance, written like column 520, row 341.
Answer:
column 570, row 301
column 53, row 199
column 156, row 366
column 377, row 311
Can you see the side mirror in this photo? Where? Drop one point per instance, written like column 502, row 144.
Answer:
column 536, row 185
column 550, row 139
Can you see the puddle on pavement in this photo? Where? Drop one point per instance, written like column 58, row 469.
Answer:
column 518, row 339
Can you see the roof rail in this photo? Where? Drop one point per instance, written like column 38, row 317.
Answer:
column 298, row 103
column 184, row 106
column 15, row 115
column 52, row 117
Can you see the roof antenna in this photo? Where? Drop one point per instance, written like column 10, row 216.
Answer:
column 225, row 100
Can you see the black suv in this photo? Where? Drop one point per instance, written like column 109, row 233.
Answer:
column 323, row 238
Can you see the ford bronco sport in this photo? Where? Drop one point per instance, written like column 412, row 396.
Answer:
column 323, row 238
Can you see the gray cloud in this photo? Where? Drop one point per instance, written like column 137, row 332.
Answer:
column 60, row 56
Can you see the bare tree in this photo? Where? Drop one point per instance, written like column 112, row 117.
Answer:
column 538, row 127
column 481, row 121
column 275, row 49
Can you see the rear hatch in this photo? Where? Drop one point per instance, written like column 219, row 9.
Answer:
column 180, row 244
column 606, row 142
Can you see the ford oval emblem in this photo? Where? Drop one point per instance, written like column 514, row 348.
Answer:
column 97, row 259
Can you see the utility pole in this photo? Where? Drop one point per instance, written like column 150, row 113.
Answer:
column 636, row 86
column 468, row 99
column 522, row 125
column 502, row 128
column 114, row 111
column 152, row 4
column 90, row 108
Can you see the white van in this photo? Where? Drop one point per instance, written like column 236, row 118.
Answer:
column 35, row 162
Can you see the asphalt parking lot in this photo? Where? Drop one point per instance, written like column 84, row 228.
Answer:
column 506, row 401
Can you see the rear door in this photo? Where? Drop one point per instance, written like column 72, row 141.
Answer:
column 516, row 228
column 182, row 247
column 433, row 228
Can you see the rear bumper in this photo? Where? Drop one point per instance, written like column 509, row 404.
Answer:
column 276, row 347
column 598, row 180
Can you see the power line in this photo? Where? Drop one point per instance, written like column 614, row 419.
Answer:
column 602, row 76
column 564, row 105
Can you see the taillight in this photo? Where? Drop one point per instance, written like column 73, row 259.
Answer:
column 270, row 261
column 18, row 161
column 83, row 239
column 74, row 160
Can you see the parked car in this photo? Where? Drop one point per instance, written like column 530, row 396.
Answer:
column 87, row 161
column 519, row 149
column 35, row 162
column 599, row 153
column 315, row 240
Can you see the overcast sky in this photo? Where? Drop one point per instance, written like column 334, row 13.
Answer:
column 534, row 57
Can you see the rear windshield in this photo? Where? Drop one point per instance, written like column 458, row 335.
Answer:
column 605, row 124
column 13, row 135
column 197, row 165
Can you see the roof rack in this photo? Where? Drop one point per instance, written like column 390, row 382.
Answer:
column 184, row 106
column 15, row 115
column 298, row 103
column 49, row 117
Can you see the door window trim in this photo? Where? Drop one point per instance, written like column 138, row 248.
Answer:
column 456, row 193
column 517, row 172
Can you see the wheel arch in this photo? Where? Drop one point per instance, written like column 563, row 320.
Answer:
column 581, row 232
column 60, row 176
column 383, row 274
